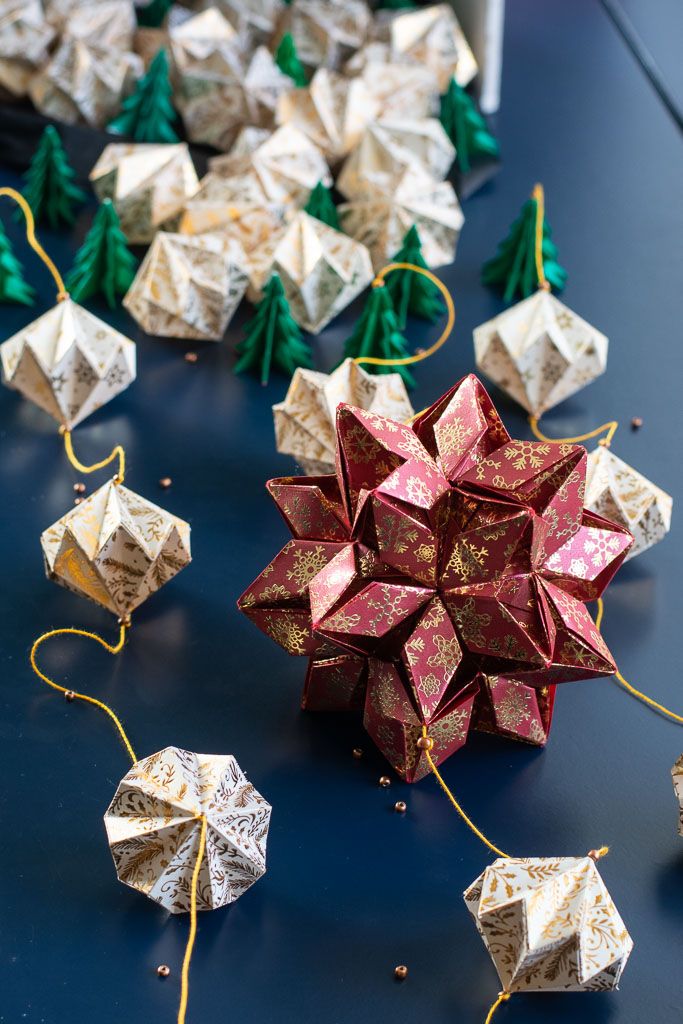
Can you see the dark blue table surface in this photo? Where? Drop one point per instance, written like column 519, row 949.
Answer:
column 352, row 888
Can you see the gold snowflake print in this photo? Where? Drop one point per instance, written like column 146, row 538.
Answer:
column 307, row 564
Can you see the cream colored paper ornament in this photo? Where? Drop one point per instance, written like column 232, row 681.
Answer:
column 540, row 352
column 389, row 147
column 25, row 36
column 286, row 164
column 255, row 20
column 677, row 776
column 400, row 90
column 148, row 183
column 549, row 924
column 327, row 32
column 619, row 493
column 188, row 286
column 305, row 419
column 154, row 822
column 433, row 37
column 68, row 362
column 322, row 270
column 380, row 220
column 333, row 111
column 105, row 24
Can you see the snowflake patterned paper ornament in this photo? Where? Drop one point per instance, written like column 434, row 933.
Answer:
column 25, row 38
column 154, row 821
column 540, row 352
column 69, row 362
column 327, row 32
column 619, row 493
column 148, row 183
column 305, row 419
column 116, row 548
column 188, row 286
column 438, row 553
column 513, row 708
column 549, row 924
column 677, row 776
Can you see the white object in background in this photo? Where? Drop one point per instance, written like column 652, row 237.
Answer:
column 483, row 23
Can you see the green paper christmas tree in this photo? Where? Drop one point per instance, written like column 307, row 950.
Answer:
column 321, row 207
column 13, row 287
column 50, row 188
column 411, row 292
column 147, row 114
column 513, row 268
column 466, row 128
column 377, row 334
column 273, row 339
column 153, row 14
column 104, row 263
column 396, row 5
column 287, row 59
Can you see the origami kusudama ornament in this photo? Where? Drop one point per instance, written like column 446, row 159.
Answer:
column 333, row 111
column 433, row 37
column 677, row 776
column 255, row 20
column 327, row 32
column 108, row 24
column 305, row 420
column 116, row 548
column 148, row 184
column 286, row 164
column 154, row 822
column 622, row 495
column 540, row 352
column 322, row 270
column 391, row 146
column 381, row 219
column 399, row 89
column 549, row 924
column 69, row 362
column 439, row 553
column 25, row 36
column 218, row 88
column 188, row 286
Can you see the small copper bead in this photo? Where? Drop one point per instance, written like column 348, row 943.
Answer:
column 603, row 442
column 163, row 970
column 191, row 357
column 69, row 695
column 401, row 972
column 636, row 423
column 425, row 743
column 77, row 501
column 384, row 781
column 357, row 753
column 79, row 488
column 165, row 482
column 400, row 807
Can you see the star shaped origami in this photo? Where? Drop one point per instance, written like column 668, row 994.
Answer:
column 440, row 557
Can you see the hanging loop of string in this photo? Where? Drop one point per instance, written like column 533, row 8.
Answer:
column 609, row 429
column 443, row 337
column 539, row 196
column 116, row 453
column 73, row 695
column 502, row 998
column 185, row 974
column 12, row 193
column 655, row 705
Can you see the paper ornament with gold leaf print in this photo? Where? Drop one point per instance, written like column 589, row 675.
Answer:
column 25, row 38
column 677, row 776
column 400, row 90
column 326, row 32
column 432, row 37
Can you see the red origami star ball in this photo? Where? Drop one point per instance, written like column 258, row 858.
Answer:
column 439, row 578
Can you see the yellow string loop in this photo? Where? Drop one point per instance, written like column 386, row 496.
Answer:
column 631, row 689
column 111, row 648
column 597, row 855
column 502, row 998
column 12, row 193
column 468, row 821
column 539, row 195
column 116, row 453
column 609, row 429
column 185, row 975
column 443, row 337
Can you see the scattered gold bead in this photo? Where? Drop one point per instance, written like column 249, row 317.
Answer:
column 77, row 501
column 163, row 970
column 191, row 357
column 165, row 482
column 384, row 781
column 69, row 695
column 425, row 743
column 400, row 807
column 357, row 753
column 603, row 442
column 79, row 488
column 401, row 972
column 636, row 423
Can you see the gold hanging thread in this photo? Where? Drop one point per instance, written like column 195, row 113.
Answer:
column 539, row 195
column 609, row 429
column 185, row 975
column 12, row 193
column 502, row 998
column 116, row 453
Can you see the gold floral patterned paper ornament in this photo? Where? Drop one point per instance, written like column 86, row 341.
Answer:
column 399, row 89
column 305, row 419
column 153, row 826
column 433, row 37
column 116, row 548
column 148, row 183
column 69, row 362
column 677, row 776
column 25, row 37
column 327, row 32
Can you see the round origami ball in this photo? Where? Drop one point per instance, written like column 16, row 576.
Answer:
column 154, row 825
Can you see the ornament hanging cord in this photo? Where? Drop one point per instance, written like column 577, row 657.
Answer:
column 116, row 453
column 12, row 193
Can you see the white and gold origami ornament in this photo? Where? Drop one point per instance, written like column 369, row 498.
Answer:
column 549, row 924
column 333, row 111
column 108, row 24
column 255, row 20
column 540, row 352
column 148, row 183
column 327, row 32
column 68, row 362
column 188, row 286
column 399, row 89
column 305, row 419
column 155, row 820
column 619, row 493
column 322, row 270
column 677, row 776
column 391, row 146
column 25, row 38
column 433, row 37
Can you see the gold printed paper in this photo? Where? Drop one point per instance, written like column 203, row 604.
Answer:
column 69, row 362
column 116, row 548
column 148, row 183
column 433, row 37
column 305, row 420
column 107, row 24
column 25, row 37
column 188, row 286
column 616, row 491
column 154, row 822
column 327, row 32
column 400, row 89
column 255, row 20
column 677, row 776
column 540, row 352
column 549, row 925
